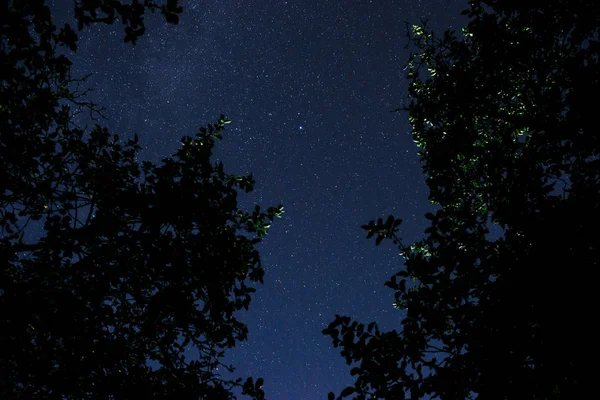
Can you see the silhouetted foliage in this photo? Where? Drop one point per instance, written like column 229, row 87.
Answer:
column 506, row 122
column 131, row 15
column 135, row 262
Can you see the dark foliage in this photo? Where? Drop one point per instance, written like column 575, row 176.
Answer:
column 135, row 261
column 131, row 15
column 498, row 297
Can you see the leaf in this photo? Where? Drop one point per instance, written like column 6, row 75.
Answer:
column 389, row 222
column 172, row 18
column 370, row 326
column 259, row 383
column 172, row 4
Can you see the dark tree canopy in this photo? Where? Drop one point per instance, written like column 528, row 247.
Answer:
column 505, row 118
column 135, row 262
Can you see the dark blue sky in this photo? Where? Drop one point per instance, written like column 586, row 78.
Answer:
column 308, row 85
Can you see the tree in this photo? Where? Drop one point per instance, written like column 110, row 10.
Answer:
column 135, row 262
column 496, row 296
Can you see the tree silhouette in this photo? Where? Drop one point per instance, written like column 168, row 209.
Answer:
column 135, row 262
column 497, row 298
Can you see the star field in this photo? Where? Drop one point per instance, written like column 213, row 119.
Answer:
column 308, row 86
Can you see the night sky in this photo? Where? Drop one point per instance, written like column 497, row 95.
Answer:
column 309, row 86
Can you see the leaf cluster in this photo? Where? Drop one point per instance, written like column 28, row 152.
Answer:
column 131, row 15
